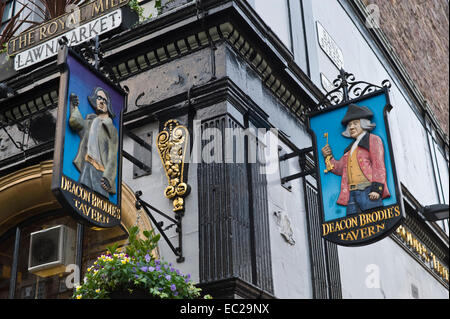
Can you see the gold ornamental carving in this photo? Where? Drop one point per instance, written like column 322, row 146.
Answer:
column 172, row 142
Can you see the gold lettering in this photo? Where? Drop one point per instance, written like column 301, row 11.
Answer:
column 53, row 24
column 371, row 231
column 362, row 220
column 354, row 222
column 98, row 7
column 22, row 41
column 42, row 34
column 350, row 237
column 14, row 44
column 397, row 211
column 390, row 209
column 380, row 227
column 62, row 23
column 30, row 38
column 363, row 232
column 421, row 250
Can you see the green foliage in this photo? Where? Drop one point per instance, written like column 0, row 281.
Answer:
column 136, row 7
column 135, row 269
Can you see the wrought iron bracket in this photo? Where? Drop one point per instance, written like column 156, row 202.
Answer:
column 25, row 129
column 347, row 88
column 301, row 153
column 133, row 159
column 178, row 251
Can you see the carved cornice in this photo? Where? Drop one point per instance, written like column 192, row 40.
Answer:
column 223, row 32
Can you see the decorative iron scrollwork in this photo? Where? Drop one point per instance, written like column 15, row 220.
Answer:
column 346, row 88
column 172, row 142
column 92, row 52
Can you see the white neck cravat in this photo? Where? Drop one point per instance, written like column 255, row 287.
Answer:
column 358, row 139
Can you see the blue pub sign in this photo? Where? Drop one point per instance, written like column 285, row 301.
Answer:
column 360, row 197
column 87, row 158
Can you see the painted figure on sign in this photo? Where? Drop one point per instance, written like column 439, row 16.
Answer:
column 362, row 168
column 97, row 154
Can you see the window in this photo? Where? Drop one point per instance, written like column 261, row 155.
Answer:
column 6, row 259
column 8, row 11
column 56, row 282
column 277, row 17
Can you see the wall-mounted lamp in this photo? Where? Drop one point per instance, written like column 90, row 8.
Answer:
column 435, row 212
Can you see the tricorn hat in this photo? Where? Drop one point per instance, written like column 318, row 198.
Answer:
column 355, row 112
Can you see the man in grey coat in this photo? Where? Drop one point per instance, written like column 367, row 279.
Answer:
column 97, row 154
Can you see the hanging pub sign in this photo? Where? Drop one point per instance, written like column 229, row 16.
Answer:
column 360, row 194
column 88, row 142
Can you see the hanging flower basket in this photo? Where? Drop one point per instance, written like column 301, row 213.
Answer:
column 135, row 274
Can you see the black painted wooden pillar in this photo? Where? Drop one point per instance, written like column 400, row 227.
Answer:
column 235, row 258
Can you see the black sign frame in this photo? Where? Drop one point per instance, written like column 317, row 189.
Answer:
column 371, row 91
column 109, row 212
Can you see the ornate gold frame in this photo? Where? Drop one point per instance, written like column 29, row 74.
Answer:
column 172, row 142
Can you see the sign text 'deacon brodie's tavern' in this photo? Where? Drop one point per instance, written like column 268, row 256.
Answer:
column 361, row 226
column 62, row 24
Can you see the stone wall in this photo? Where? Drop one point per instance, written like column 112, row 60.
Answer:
column 418, row 30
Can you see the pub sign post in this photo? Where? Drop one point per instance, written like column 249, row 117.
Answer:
column 88, row 142
column 360, row 197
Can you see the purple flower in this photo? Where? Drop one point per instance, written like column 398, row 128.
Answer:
column 144, row 269
column 175, row 293
column 147, row 258
column 157, row 262
column 173, row 287
column 151, row 268
column 158, row 268
column 168, row 277
column 172, row 269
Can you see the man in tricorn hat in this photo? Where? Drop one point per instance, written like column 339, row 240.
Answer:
column 363, row 171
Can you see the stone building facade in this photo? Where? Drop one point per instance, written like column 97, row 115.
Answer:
column 236, row 74
column 418, row 33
